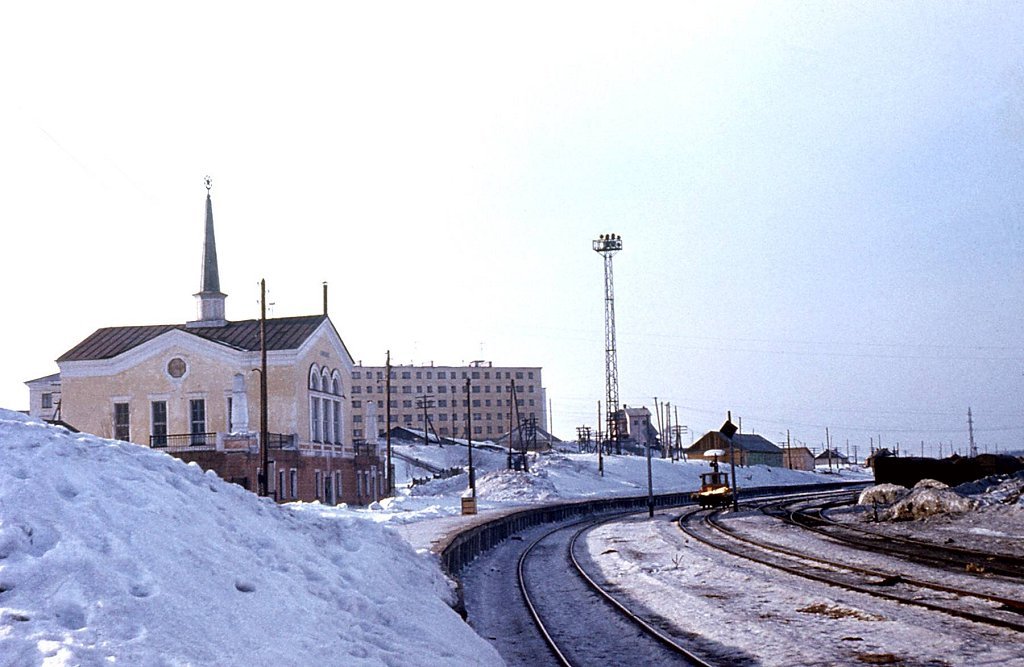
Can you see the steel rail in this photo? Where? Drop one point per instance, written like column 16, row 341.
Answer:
column 833, row 581
column 625, row 611
column 999, row 564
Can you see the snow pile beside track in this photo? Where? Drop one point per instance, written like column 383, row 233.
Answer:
column 928, row 501
column 115, row 553
column 882, row 494
column 509, row 485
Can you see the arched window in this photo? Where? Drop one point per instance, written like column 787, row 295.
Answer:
column 315, row 423
column 314, row 378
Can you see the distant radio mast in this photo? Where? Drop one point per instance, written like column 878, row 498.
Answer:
column 607, row 245
column 970, row 432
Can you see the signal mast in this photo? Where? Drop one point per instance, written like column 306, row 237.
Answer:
column 607, row 245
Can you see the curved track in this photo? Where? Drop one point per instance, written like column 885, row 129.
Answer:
column 954, row 558
column 582, row 622
column 598, row 629
column 891, row 583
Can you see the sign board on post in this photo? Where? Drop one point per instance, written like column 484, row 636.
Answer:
column 469, row 505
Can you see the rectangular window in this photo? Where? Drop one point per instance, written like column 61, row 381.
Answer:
column 314, row 419
column 357, row 404
column 121, row 421
column 319, row 483
column 280, row 485
column 294, row 490
column 356, row 375
column 158, row 423
column 441, row 375
column 442, row 389
column 47, row 401
column 326, row 420
column 337, row 422
column 197, row 421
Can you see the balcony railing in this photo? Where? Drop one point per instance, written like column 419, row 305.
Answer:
column 280, row 441
column 191, row 440
column 183, row 440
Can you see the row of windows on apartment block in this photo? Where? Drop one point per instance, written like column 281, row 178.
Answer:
column 455, row 431
column 441, row 375
column 443, row 403
column 444, row 389
column 328, row 486
column 443, row 417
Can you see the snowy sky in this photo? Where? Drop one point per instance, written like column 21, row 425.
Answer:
column 820, row 203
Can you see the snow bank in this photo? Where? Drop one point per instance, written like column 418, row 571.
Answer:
column 882, row 494
column 925, row 502
column 114, row 553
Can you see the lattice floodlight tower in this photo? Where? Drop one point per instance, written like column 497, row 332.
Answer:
column 607, row 245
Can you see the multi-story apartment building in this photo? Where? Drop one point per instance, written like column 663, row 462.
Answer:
column 436, row 396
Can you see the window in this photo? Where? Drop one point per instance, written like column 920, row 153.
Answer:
column 317, row 480
column 327, row 412
column 357, row 404
column 356, row 389
column 158, row 424
column 357, row 419
column 314, row 418
column 406, row 375
column 47, row 401
column 197, row 420
column 280, row 485
column 442, row 402
column 337, row 422
column 121, row 421
column 294, row 490
column 442, row 389
column 530, row 375
column 519, row 375
column 406, row 404
column 356, row 375
column 476, row 375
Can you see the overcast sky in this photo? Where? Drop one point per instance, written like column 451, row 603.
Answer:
column 820, row 203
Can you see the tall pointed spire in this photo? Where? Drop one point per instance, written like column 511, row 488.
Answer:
column 211, row 299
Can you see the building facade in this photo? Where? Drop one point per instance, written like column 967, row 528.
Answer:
column 435, row 398
column 193, row 390
column 748, row 448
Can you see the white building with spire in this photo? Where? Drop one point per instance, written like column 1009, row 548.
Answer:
column 193, row 389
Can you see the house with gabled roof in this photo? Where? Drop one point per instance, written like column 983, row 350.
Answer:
column 193, row 390
column 748, row 449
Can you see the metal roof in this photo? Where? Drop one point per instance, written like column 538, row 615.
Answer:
column 283, row 333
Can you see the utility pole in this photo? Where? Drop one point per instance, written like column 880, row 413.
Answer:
column 511, row 409
column 387, row 426
column 425, row 402
column 607, row 245
column 263, row 481
column 600, row 442
column 469, row 440
column 970, row 430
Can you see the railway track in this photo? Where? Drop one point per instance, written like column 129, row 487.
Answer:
column 944, row 556
column 600, row 629
column 891, row 581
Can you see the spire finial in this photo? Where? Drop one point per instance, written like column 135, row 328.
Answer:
column 209, row 184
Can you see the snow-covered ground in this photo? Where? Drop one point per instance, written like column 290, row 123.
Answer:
column 752, row 615
column 112, row 553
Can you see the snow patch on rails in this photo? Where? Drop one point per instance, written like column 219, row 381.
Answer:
column 966, row 604
column 459, row 548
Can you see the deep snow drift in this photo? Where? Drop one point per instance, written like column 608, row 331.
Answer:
column 111, row 553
